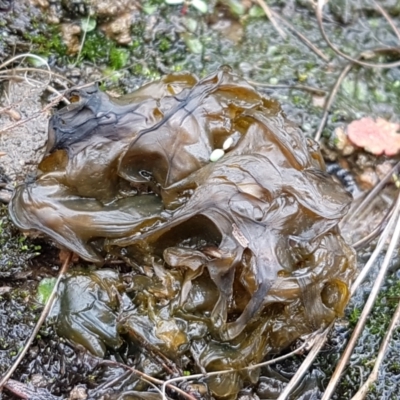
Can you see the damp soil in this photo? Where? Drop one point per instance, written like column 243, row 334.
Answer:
column 166, row 39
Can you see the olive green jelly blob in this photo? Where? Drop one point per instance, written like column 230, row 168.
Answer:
column 240, row 256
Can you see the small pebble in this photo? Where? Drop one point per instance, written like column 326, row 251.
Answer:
column 228, row 143
column 216, row 155
column 13, row 114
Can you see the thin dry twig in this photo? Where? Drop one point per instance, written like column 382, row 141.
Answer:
column 81, row 45
column 39, row 324
column 305, row 365
column 38, row 70
column 34, row 115
column 368, row 306
column 388, row 19
column 250, row 367
column 25, row 55
column 360, row 395
column 319, row 12
column 269, row 15
column 306, row 88
column 330, row 100
column 306, row 41
column 339, row 81
column 376, row 231
column 49, row 88
column 378, row 248
column 146, row 378
column 372, row 194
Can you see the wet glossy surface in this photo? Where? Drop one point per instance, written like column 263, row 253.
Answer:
column 245, row 251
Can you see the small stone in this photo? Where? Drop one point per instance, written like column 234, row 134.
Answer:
column 13, row 114
column 341, row 142
column 71, row 36
column 368, row 179
column 319, row 101
column 119, row 29
column 78, row 393
column 383, row 169
column 216, row 155
column 39, row 380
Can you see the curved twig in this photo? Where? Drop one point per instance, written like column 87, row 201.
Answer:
column 48, row 87
column 38, row 70
column 307, row 42
column 25, row 55
column 330, row 100
column 146, row 377
column 388, row 19
column 335, row 89
column 318, row 10
column 250, row 367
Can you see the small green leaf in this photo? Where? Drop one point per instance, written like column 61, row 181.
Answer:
column 88, row 24
column 172, row 2
column 200, row 5
column 256, row 12
column 45, row 288
column 236, row 7
column 193, row 43
column 191, row 24
column 36, row 61
column 149, row 8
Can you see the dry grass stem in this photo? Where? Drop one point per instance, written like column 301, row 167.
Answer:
column 148, row 378
column 39, row 324
column 49, row 88
column 307, row 42
column 330, row 100
column 311, row 89
column 367, row 308
column 269, row 15
column 378, row 248
column 376, row 231
column 388, row 19
column 37, row 70
column 299, row 350
column 360, row 395
column 306, row 364
column 34, row 115
column 372, row 194
column 319, row 12
column 30, row 55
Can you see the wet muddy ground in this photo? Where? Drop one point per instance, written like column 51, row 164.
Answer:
column 126, row 47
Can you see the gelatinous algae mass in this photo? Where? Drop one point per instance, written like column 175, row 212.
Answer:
column 244, row 253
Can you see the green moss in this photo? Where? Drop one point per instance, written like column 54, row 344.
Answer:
column 118, row 58
column 47, row 42
column 164, row 45
column 96, row 48
column 354, row 316
column 384, row 308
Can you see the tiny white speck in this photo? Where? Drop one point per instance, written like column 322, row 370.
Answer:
column 228, row 143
